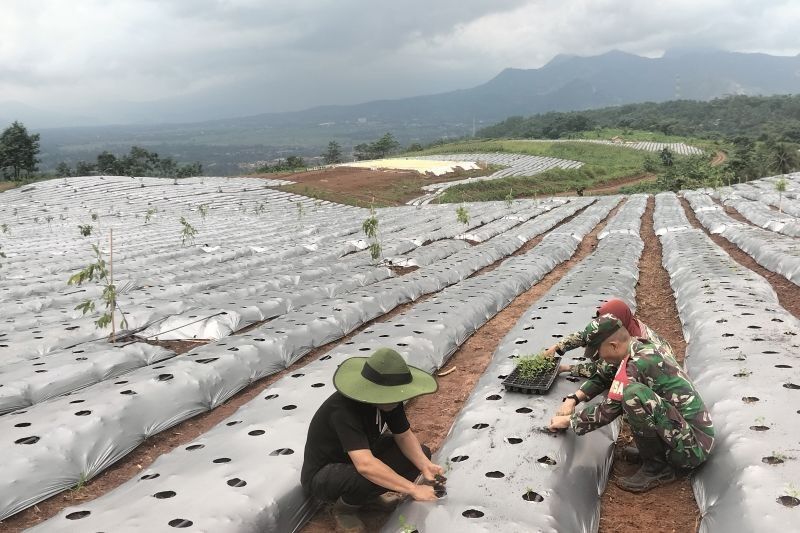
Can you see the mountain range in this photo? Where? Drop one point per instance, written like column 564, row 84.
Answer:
column 565, row 83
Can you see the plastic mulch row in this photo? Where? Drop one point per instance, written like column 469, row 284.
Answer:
column 536, row 384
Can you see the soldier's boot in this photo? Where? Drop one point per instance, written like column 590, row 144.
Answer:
column 346, row 517
column 385, row 502
column 655, row 469
column 629, row 454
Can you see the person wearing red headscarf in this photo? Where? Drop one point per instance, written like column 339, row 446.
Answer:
column 619, row 309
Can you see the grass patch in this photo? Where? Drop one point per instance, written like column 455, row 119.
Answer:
column 603, row 164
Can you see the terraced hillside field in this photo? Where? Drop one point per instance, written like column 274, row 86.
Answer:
column 237, row 317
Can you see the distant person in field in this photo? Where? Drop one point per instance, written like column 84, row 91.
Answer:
column 350, row 461
column 669, row 421
column 617, row 308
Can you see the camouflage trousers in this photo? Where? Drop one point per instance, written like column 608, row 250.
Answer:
column 648, row 414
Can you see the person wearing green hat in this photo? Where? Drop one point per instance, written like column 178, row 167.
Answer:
column 350, row 460
column 669, row 421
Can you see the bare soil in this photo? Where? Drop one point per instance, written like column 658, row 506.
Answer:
column 432, row 416
column 670, row 508
column 788, row 294
column 365, row 187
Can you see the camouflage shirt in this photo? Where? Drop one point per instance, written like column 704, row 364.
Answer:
column 656, row 368
column 587, row 369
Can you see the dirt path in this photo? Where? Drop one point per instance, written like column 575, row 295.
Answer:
column 719, row 158
column 613, row 186
column 788, row 294
column 432, row 416
column 672, row 508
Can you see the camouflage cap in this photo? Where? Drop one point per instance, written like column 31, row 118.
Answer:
column 597, row 331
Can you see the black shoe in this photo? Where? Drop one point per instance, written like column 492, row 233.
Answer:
column 655, row 469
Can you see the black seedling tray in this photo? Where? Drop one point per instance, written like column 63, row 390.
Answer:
column 538, row 384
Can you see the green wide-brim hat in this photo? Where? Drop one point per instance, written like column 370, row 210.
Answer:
column 383, row 377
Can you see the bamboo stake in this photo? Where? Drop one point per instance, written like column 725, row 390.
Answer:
column 111, row 275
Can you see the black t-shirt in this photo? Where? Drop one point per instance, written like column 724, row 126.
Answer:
column 341, row 425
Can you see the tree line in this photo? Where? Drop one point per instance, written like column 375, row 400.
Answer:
column 137, row 162
column 757, row 117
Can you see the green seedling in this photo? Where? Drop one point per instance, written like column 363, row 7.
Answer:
column 780, row 186
column 462, row 214
column 260, row 209
column 99, row 272
column 187, row 232
column 300, row 211
column 94, row 217
column 149, row 214
column 203, row 210
column 370, row 228
column 4, row 228
column 534, row 365
column 82, row 480
column 85, row 229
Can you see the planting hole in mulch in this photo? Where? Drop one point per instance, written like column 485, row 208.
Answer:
column 164, row 494
column 256, row 432
column 749, row 399
column 788, row 501
column 82, row 514
column 459, row 458
column 759, row 428
column 495, row 474
column 480, row 426
column 472, row 513
column 546, row 460
column 195, row 447
column 531, row 496
column 221, row 460
column 236, row 482
column 513, row 440
column 791, row 386
column 150, row 476
column 772, row 460
column 180, row 523
column 282, row 451
column 524, row 410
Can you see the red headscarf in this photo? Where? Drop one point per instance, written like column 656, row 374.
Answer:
column 620, row 309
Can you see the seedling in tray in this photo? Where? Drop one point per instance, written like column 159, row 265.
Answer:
column 534, row 374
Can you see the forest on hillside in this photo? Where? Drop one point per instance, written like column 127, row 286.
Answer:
column 756, row 117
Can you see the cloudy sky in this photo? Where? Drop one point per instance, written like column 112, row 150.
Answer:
column 216, row 58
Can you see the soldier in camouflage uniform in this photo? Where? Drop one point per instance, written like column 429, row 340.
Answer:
column 620, row 310
column 670, row 423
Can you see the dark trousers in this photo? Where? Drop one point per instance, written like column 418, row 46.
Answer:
column 343, row 480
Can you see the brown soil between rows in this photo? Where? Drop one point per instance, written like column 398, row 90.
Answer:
column 671, row 508
column 147, row 452
column 788, row 294
column 432, row 416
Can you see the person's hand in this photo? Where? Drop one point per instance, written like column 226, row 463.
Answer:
column 564, row 368
column 567, row 408
column 551, row 351
column 423, row 493
column 430, row 471
column 559, row 422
